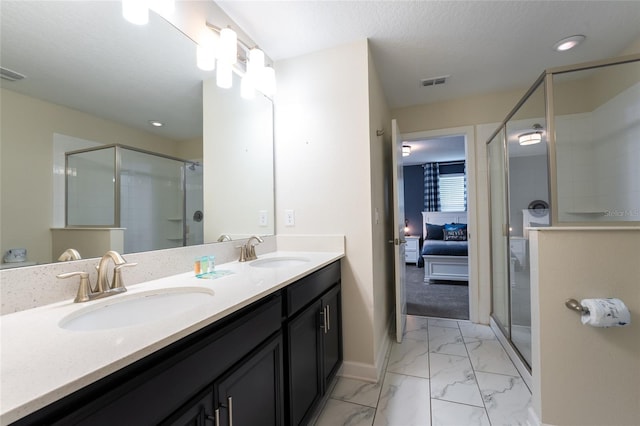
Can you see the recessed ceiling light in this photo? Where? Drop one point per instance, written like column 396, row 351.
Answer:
column 155, row 123
column 568, row 43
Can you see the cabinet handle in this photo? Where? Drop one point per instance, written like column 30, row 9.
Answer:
column 215, row 418
column 324, row 319
column 328, row 318
column 230, row 403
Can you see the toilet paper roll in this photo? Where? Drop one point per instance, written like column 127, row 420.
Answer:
column 605, row 313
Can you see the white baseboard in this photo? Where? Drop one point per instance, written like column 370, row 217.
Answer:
column 369, row 372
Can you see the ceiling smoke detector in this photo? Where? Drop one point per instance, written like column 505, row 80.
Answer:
column 434, row 81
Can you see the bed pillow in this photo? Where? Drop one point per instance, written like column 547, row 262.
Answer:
column 455, row 232
column 435, row 232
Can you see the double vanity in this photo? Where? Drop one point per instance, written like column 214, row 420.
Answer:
column 253, row 343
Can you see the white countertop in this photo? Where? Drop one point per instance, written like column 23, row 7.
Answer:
column 41, row 363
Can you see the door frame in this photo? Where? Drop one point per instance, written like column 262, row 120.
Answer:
column 477, row 298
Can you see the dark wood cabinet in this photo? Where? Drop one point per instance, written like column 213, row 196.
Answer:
column 332, row 335
column 267, row 364
column 313, row 340
column 199, row 412
column 251, row 393
column 304, row 344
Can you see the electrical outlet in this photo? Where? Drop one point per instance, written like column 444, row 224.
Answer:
column 289, row 218
column 263, row 218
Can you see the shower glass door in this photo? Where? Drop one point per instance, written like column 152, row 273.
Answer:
column 151, row 201
column 499, row 225
column 91, row 190
column 528, row 197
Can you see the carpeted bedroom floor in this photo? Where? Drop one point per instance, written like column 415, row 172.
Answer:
column 442, row 299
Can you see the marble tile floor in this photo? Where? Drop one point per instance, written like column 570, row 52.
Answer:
column 445, row 372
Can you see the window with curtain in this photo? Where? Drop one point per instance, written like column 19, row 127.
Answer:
column 451, row 189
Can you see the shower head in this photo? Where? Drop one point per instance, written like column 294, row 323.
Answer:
column 193, row 165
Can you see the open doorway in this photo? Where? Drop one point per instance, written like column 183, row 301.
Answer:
column 436, row 176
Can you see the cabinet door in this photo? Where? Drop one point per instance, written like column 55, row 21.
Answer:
column 304, row 349
column 198, row 412
column 251, row 392
column 331, row 334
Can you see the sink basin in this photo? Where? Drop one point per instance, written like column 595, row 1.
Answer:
column 279, row 262
column 136, row 309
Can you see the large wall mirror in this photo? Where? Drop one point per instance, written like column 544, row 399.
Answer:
column 92, row 79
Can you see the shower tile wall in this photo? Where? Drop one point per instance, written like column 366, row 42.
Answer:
column 151, row 202
column 597, row 155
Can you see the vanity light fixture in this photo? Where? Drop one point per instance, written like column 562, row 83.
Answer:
column 568, row 43
column 206, row 50
column 233, row 54
column 224, row 75
column 228, row 46
column 406, row 150
column 531, row 138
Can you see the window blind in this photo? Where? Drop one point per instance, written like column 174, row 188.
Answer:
column 452, row 193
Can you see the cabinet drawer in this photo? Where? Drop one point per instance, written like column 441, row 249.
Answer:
column 304, row 291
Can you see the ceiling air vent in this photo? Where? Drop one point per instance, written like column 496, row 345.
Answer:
column 7, row 74
column 434, row 81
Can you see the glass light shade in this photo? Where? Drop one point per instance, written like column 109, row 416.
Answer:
column 247, row 87
column 530, row 138
column 267, row 83
column 208, row 44
column 256, row 62
column 136, row 11
column 224, row 75
column 406, row 150
column 228, row 46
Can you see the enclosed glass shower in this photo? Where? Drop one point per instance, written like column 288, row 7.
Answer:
column 568, row 154
column 156, row 199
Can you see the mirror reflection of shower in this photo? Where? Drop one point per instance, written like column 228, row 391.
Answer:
column 194, row 204
column 151, row 197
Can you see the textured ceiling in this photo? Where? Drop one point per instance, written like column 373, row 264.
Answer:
column 485, row 46
column 84, row 55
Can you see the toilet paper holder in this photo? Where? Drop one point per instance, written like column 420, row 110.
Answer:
column 574, row 305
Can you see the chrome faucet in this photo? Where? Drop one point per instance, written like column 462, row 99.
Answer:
column 223, row 238
column 103, row 288
column 248, row 250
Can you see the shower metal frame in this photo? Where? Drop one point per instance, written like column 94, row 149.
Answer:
column 545, row 78
column 117, row 169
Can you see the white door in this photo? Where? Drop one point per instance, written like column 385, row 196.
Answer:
column 398, row 231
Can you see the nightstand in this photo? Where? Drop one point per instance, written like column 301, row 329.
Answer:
column 412, row 250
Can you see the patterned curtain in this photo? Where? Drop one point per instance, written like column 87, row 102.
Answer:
column 466, row 209
column 431, row 197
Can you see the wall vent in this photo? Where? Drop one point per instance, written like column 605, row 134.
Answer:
column 434, row 81
column 7, row 74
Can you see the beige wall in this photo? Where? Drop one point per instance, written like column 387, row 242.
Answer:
column 585, row 375
column 190, row 149
column 324, row 173
column 26, row 148
column 382, row 222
